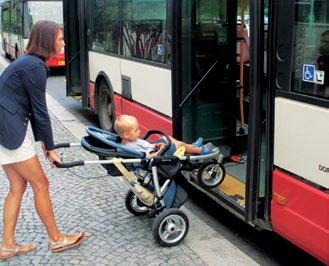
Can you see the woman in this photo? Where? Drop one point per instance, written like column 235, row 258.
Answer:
column 23, row 99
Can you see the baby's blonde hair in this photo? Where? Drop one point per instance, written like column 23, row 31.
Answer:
column 124, row 123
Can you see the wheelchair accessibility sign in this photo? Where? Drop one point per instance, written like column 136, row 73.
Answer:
column 312, row 75
column 308, row 73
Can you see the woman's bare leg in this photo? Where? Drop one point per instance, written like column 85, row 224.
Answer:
column 32, row 172
column 12, row 205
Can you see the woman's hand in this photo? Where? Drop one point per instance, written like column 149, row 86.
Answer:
column 52, row 156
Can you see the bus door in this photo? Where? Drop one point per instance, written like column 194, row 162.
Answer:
column 76, row 53
column 209, row 102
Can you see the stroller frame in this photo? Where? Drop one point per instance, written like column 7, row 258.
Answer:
column 146, row 196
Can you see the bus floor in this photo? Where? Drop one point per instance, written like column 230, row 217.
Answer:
column 233, row 188
column 233, row 185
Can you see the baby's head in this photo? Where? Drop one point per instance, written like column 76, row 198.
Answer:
column 127, row 128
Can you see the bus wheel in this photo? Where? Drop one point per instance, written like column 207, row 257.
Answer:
column 105, row 106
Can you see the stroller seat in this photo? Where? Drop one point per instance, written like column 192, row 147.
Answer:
column 111, row 141
column 106, row 144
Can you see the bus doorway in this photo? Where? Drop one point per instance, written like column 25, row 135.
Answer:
column 207, row 85
column 209, row 80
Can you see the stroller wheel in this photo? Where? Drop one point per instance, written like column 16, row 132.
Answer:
column 211, row 174
column 170, row 227
column 134, row 205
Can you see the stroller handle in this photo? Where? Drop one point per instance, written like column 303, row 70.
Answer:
column 66, row 145
column 70, row 164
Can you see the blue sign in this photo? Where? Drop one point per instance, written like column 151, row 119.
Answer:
column 308, row 73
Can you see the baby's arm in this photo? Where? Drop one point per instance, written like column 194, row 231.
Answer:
column 158, row 147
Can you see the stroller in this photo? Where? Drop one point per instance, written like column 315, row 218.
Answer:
column 151, row 181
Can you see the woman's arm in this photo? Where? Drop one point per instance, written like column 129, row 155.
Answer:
column 35, row 82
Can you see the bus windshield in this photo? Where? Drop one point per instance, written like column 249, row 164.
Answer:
column 36, row 10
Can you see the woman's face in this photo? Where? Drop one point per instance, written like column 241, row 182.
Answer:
column 59, row 42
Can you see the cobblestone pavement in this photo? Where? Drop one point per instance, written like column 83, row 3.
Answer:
column 87, row 199
column 96, row 206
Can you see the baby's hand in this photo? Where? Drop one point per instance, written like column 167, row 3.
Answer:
column 159, row 146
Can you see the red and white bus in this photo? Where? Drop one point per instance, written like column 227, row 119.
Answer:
column 174, row 65
column 17, row 18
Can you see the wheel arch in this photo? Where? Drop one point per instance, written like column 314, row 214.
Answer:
column 100, row 77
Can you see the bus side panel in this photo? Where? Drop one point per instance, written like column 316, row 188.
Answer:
column 92, row 95
column 56, row 61
column 301, row 214
column 147, row 119
column 150, row 85
column 301, row 140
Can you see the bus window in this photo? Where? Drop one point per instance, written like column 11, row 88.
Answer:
column 106, row 26
column 5, row 18
column 15, row 19
column 145, row 30
column 35, row 11
column 28, row 20
column 311, row 54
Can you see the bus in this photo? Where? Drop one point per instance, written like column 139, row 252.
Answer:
column 176, row 67
column 18, row 16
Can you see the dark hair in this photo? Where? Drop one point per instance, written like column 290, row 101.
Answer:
column 42, row 38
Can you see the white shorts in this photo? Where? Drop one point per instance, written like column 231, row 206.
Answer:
column 22, row 153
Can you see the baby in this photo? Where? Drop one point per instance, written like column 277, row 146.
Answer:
column 128, row 129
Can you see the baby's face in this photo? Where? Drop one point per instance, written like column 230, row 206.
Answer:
column 134, row 132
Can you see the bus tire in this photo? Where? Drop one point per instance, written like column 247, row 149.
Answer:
column 105, row 106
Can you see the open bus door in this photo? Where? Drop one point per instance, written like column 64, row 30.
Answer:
column 207, row 89
column 76, row 56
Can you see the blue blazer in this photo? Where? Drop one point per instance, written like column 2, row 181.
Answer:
column 23, row 99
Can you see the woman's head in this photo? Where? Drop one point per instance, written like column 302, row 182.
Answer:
column 46, row 39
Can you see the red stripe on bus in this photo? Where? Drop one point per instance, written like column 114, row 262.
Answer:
column 56, row 61
column 147, row 119
column 304, row 219
column 92, row 95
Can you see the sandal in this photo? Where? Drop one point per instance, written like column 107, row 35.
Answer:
column 6, row 253
column 57, row 246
